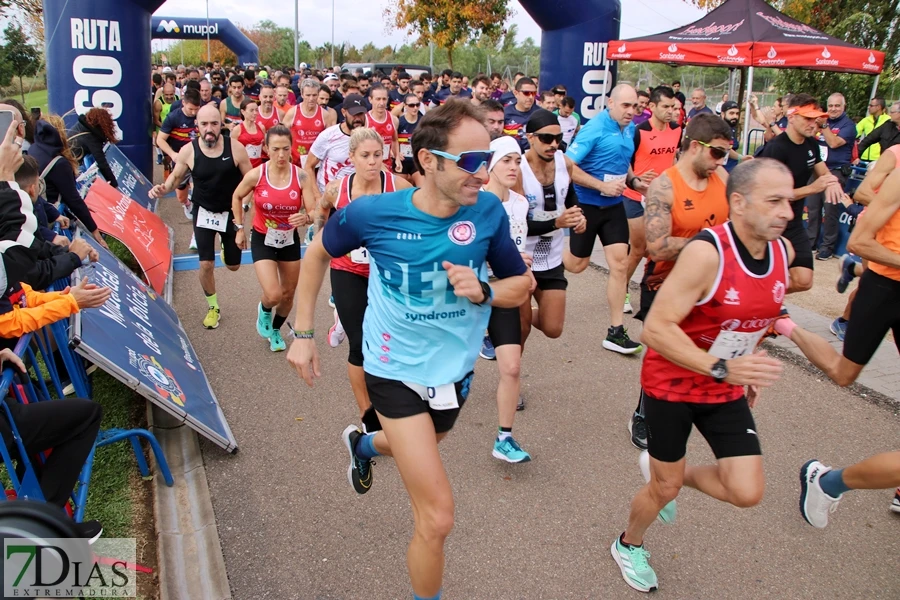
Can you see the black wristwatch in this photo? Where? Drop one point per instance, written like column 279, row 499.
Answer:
column 631, row 182
column 719, row 371
column 486, row 289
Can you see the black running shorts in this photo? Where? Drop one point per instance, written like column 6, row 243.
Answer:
column 552, row 279
column 259, row 250
column 799, row 239
column 505, row 326
column 394, row 400
column 206, row 240
column 728, row 427
column 609, row 223
column 875, row 310
column 351, row 300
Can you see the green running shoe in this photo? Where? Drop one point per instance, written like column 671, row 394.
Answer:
column 636, row 571
column 263, row 322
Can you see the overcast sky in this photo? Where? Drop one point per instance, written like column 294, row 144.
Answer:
column 361, row 21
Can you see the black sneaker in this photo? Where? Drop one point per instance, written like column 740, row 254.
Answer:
column 638, row 429
column 824, row 254
column 520, row 405
column 89, row 530
column 617, row 340
column 359, row 473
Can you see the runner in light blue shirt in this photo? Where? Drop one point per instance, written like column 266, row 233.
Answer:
column 429, row 303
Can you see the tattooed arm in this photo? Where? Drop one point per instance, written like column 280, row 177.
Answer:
column 329, row 199
column 661, row 245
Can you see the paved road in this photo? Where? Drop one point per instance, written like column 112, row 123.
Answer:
column 291, row 526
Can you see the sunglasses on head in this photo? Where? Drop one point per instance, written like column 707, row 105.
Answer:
column 549, row 138
column 470, row 162
column 715, row 151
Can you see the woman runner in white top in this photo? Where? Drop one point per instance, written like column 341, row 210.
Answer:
column 505, row 326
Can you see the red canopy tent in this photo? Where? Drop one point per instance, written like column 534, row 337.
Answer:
column 749, row 33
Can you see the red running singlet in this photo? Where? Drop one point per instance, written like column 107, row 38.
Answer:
column 358, row 260
column 386, row 130
column 253, row 142
column 728, row 323
column 304, row 131
column 272, row 205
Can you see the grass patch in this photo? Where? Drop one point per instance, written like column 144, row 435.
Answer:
column 35, row 99
column 110, row 493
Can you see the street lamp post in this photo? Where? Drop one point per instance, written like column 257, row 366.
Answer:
column 332, row 33
column 296, row 34
column 208, row 51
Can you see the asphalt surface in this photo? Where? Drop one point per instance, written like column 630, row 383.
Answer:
column 292, row 527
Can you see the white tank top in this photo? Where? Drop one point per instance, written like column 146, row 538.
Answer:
column 546, row 250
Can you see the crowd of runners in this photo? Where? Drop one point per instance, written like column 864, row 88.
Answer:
column 451, row 215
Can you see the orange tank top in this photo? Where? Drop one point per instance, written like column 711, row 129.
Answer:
column 692, row 211
column 889, row 235
column 655, row 150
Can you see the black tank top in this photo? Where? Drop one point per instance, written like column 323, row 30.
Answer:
column 215, row 178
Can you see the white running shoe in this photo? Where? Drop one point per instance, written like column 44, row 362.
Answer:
column 188, row 210
column 815, row 504
column 336, row 334
column 627, row 309
column 193, row 244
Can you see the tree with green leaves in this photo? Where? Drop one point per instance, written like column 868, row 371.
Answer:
column 449, row 23
column 19, row 57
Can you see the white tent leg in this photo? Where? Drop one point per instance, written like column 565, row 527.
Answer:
column 745, row 143
column 874, row 87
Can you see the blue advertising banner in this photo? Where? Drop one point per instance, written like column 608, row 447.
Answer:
column 132, row 182
column 137, row 338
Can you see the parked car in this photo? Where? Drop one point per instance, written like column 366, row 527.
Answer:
column 414, row 70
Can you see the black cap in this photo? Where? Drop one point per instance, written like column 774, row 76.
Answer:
column 726, row 106
column 354, row 104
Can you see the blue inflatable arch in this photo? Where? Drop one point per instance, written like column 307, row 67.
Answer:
column 174, row 28
column 99, row 51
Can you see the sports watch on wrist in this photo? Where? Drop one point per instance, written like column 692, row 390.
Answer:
column 486, row 289
column 719, row 371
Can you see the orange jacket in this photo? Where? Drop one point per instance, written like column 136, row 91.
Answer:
column 41, row 308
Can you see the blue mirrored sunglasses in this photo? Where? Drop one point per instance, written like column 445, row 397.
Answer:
column 470, row 162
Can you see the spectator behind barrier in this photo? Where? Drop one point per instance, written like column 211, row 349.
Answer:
column 50, row 142
column 92, row 131
column 46, row 213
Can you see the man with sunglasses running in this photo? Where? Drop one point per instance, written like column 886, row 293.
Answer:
column 681, row 202
column 798, row 150
column 429, row 303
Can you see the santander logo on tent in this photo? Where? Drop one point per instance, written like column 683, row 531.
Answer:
column 732, row 56
column 826, row 59
column 771, row 58
column 870, row 65
column 672, row 54
column 622, row 48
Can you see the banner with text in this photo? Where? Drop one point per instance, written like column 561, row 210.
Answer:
column 144, row 233
column 137, row 338
column 132, row 182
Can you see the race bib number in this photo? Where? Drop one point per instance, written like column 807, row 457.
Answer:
column 406, row 150
column 360, row 256
column 518, row 230
column 279, row 238
column 303, row 158
column 823, row 152
column 609, row 178
column 254, row 151
column 442, row 397
column 386, row 151
column 211, row 220
column 735, row 344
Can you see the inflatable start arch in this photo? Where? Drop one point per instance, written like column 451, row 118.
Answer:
column 99, row 51
column 176, row 28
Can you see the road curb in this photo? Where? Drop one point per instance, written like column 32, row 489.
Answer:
column 189, row 554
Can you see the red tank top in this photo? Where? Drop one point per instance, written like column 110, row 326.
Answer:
column 270, row 122
column 304, row 131
column 253, row 142
column 386, row 130
column 358, row 260
column 728, row 323
column 272, row 205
